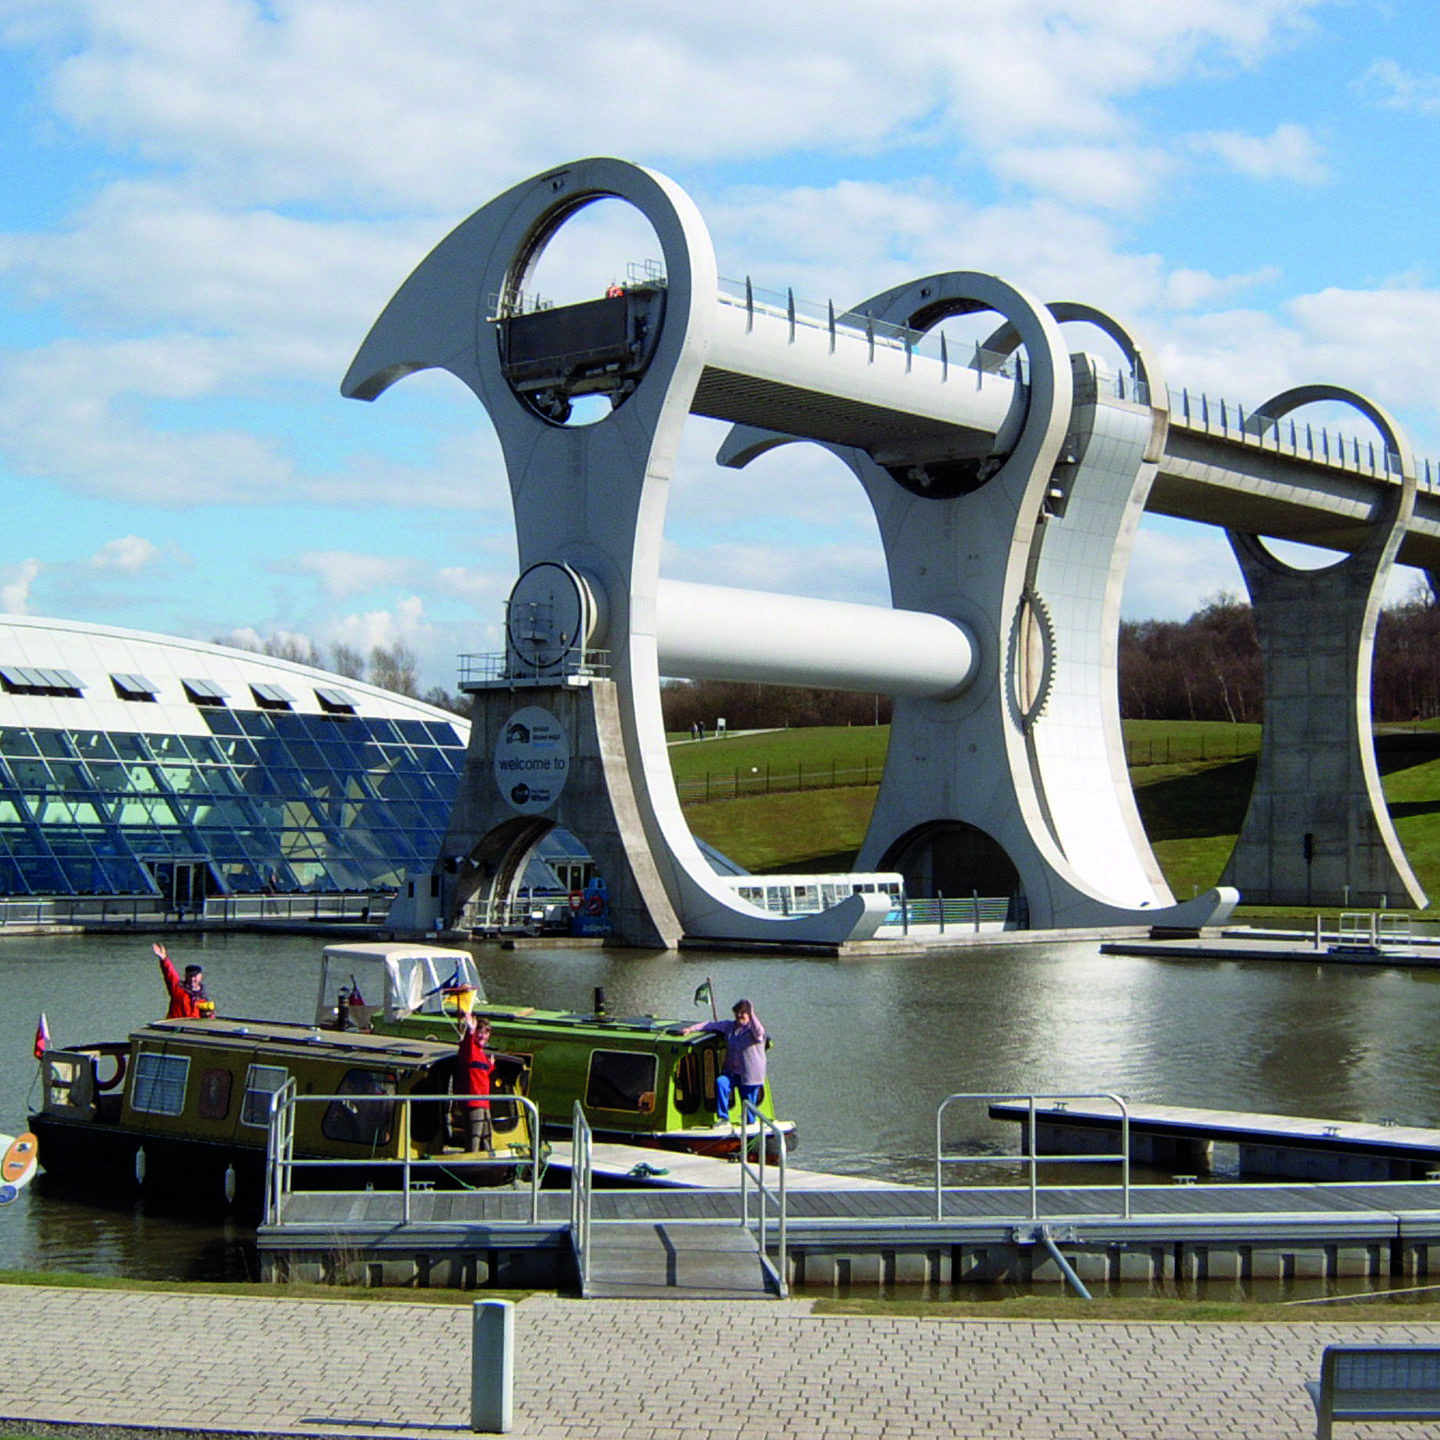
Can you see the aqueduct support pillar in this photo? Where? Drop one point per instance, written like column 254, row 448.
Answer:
column 1317, row 831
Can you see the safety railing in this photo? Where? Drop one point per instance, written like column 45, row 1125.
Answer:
column 501, row 668
column 582, row 1185
column 945, row 913
column 1215, row 415
column 1030, row 1156
column 363, row 906
column 118, row 910
column 849, row 327
column 415, row 1172
column 758, row 1136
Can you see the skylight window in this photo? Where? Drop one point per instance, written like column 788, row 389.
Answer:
column 130, row 686
column 36, row 680
column 204, row 692
column 334, row 701
column 271, row 697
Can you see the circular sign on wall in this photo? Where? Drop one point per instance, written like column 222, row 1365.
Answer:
column 532, row 760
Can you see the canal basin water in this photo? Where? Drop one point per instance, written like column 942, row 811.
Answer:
column 863, row 1051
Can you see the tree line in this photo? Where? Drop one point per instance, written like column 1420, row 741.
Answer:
column 1208, row 667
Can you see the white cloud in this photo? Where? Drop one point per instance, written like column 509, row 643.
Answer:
column 1390, row 85
column 1289, row 152
column 1112, row 177
column 129, row 555
column 342, row 574
column 16, row 582
column 361, row 99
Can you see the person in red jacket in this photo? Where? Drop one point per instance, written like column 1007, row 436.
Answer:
column 473, row 1065
column 188, row 997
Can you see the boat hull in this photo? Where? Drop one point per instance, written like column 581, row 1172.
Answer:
column 208, row 1170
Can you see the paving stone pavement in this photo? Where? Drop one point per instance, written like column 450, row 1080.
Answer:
column 118, row 1364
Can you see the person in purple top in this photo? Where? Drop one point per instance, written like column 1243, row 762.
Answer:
column 744, row 1067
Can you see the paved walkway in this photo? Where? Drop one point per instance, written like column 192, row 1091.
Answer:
column 74, row 1361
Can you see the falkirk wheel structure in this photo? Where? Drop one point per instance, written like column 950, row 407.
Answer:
column 1007, row 485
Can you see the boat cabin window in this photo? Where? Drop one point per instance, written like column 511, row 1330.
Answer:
column 159, row 1083
column 361, row 1121
column 261, row 1082
column 621, row 1080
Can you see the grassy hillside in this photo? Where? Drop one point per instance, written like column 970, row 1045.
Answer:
column 773, row 804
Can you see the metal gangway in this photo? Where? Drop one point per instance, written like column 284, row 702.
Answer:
column 756, row 1234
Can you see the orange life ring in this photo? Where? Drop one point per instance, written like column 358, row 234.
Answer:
column 117, row 1077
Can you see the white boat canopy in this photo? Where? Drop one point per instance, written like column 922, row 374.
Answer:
column 401, row 979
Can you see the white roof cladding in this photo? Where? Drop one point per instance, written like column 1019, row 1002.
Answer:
column 95, row 654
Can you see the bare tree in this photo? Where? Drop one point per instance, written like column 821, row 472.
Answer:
column 346, row 661
column 394, row 669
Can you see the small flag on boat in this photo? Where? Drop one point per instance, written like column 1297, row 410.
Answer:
column 453, row 983
column 355, row 998
column 42, row 1037
column 702, row 995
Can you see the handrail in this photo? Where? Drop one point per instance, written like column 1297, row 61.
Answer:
column 279, row 1150
column 582, row 1186
column 281, row 1161
column 500, row 668
column 1030, row 1156
column 765, row 1133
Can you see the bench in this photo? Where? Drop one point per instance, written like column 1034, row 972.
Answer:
column 1376, row 1382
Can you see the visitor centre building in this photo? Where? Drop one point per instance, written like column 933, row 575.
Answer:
column 143, row 765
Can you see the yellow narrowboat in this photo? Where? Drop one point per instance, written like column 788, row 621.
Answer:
column 190, row 1102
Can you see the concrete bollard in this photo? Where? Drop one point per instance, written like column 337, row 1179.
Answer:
column 492, row 1366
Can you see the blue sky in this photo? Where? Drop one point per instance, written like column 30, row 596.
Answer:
column 207, row 202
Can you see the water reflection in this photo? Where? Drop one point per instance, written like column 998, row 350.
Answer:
column 863, row 1052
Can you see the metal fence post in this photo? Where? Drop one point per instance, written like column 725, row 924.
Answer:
column 492, row 1366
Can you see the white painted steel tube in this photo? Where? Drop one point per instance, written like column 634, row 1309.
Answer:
column 705, row 632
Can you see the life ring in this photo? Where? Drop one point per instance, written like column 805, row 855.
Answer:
column 594, row 904
column 116, row 1078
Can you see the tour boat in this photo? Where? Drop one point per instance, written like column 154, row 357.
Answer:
column 639, row 1079
column 189, row 1102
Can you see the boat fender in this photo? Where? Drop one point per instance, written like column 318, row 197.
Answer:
column 140, row 1166
column 229, row 1184
column 116, row 1078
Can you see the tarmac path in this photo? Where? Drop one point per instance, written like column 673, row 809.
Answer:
column 120, row 1364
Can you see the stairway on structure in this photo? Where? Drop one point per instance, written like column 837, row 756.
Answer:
column 658, row 1261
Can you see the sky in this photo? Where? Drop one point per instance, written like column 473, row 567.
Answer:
column 206, row 204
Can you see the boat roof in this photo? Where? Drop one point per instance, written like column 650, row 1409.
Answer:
column 287, row 1038
column 648, row 1028
column 402, row 978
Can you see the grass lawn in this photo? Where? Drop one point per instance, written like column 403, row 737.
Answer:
column 1192, row 786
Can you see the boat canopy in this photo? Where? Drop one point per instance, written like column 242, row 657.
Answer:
column 400, row 979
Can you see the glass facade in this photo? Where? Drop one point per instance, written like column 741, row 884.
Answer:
column 256, row 800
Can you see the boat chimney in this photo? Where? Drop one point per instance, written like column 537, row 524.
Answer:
column 599, row 1000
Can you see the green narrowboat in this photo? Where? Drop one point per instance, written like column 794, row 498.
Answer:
column 188, row 1102
column 639, row 1079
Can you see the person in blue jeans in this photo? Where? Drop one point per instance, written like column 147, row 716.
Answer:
column 744, row 1068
